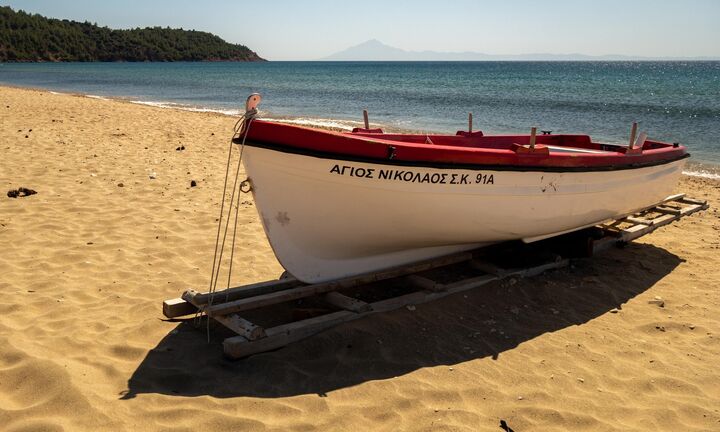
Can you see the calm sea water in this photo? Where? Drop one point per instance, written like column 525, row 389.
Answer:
column 673, row 101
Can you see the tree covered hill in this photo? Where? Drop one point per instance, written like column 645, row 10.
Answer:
column 31, row 37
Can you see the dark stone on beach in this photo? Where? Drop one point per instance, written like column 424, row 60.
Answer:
column 26, row 192
column 193, row 183
column 504, row 426
column 20, row 192
column 29, row 130
column 180, row 148
column 121, row 185
column 27, row 136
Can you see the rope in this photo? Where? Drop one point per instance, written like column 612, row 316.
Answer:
column 241, row 128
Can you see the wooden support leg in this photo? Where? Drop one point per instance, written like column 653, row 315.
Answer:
column 178, row 307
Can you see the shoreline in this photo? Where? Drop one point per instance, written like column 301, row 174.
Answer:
column 702, row 169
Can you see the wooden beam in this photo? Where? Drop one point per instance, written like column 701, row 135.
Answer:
column 424, row 283
column 487, row 267
column 534, row 271
column 471, row 283
column 470, row 122
column 533, row 134
column 345, row 302
column 684, row 200
column 241, row 326
column 629, row 234
column 277, row 337
column 322, row 288
column 633, row 132
column 676, row 197
column 640, row 142
column 178, row 307
column 244, row 291
column 366, row 119
column 636, row 220
column 668, row 210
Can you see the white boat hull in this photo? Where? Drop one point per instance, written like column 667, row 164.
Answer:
column 327, row 219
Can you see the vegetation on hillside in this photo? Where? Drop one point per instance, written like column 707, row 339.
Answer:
column 31, row 37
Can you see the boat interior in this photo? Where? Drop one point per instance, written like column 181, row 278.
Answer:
column 581, row 144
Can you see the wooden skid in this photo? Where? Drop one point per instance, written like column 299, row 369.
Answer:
column 645, row 222
column 225, row 306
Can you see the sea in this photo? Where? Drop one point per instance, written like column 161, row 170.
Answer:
column 673, row 101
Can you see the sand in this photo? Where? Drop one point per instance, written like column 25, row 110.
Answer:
column 85, row 265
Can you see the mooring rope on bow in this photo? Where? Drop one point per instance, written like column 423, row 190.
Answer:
column 241, row 129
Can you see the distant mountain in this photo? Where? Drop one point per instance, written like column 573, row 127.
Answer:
column 374, row 50
column 30, row 38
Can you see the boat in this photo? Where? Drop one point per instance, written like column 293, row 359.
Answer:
column 340, row 204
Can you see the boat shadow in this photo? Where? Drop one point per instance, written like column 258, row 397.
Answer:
column 481, row 323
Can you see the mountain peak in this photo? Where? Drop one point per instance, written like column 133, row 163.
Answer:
column 375, row 50
column 369, row 50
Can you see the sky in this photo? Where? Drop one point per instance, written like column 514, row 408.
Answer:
column 312, row 29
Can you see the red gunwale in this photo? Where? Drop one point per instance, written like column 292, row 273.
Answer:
column 467, row 149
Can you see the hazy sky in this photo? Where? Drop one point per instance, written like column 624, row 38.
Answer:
column 311, row 29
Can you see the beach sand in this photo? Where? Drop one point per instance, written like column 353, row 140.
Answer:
column 86, row 263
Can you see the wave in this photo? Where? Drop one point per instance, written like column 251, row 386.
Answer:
column 173, row 105
column 346, row 125
column 702, row 173
column 702, row 169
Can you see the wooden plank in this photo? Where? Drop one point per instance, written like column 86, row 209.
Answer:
column 533, row 134
column 277, row 337
column 640, row 142
column 683, row 199
column 668, row 210
column 646, row 226
column 639, row 230
column 693, row 208
column 536, row 270
column 322, row 288
column 241, row 326
column 345, row 302
column 470, row 283
column 178, row 307
column 245, row 291
column 487, row 267
column 412, row 298
column 637, row 220
column 675, row 197
column 424, row 283
column 619, row 218
column 633, row 132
